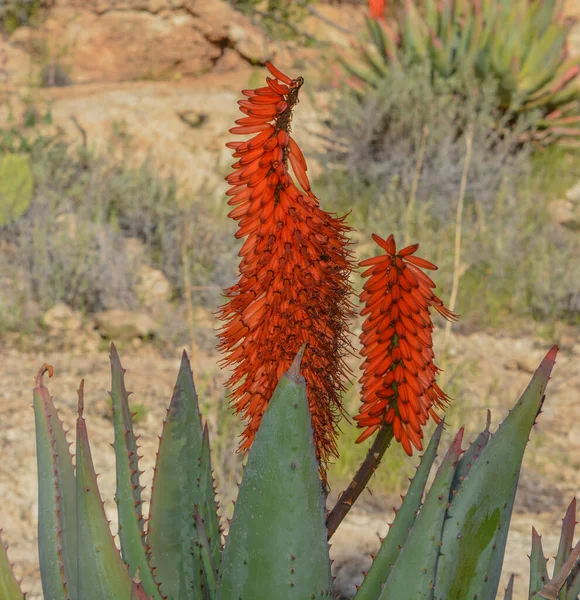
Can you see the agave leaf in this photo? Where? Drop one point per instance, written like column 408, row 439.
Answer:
column 182, row 480
column 558, row 583
column 538, row 565
column 128, row 493
column 209, row 510
column 558, row 83
column 566, row 540
column 399, row 530
column 377, row 36
column 104, row 576
column 379, row 67
column 470, row 456
column 9, row 586
column 545, row 58
column 57, row 527
column 431, row 15
column 138, row 593
column 509, row 591
column 364, row 76
column 209, row 567
column 277, row 544
column 441, row 57
column 413, row 575
column 475, row 534
column 415, row 33
column 573, row 585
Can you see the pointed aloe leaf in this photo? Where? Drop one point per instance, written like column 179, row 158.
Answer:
column 128, row 493
column 138, row 592
column 57, row 530
column 102, row 573
column 178, row 485
column 509, row 590
column 566, row 540
column 538, row 565
column 208, row 507
column 9, row 586
column 277, row 544
column 399, row 530
column 558, row 583
column 475, row 534
column 470, row 456
column 413, row 575
column 203, row 544
column 574, row 585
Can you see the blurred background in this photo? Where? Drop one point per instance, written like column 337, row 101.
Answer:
column 450, row 123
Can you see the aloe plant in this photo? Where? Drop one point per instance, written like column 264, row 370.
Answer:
column 447, row 543
column 522, row 44
column 443, row 547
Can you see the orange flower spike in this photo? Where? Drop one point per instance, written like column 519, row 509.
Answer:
column 294, row 272
column 397, row 342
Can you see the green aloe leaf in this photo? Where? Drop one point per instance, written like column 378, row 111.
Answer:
column 182, row 480
column 399, row 530
column 378, row 37
column 128, row 493
column 57, row 527
column 203, row 544
column 475, row 534
column 277, row 544
column 103, row 575
column 413, row 575
column 415, row 33
column 364, row 76
column 509, row 590
column 9, row 586
column 208, row 508
column 470, row 456
column 566, row 541
column 538, row 565
column 138, row 593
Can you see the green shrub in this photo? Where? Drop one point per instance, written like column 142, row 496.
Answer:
column 71, row 241
column 16, row 187
column 16, row 13
column 379, row 141
column 521, row 44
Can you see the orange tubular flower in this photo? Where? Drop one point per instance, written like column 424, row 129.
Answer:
column 398, row 382
column 377, row 9
column 294, row 272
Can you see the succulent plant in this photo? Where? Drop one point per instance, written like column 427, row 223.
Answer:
column 16, row 187
column 446, row 544
column 521, row 44
column 451, row 545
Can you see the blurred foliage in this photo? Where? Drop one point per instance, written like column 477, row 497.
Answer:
column 16, row 13
column 16, row 187
column 521, row 44
column 395, row 158
column 379, row 141
column 279, row 18
column 93, row 221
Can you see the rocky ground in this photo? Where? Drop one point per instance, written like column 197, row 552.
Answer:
column 494, row 371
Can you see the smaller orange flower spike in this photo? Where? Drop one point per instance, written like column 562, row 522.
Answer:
column 398, row 382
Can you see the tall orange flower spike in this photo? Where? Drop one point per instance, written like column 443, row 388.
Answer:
column 398, row 382
column 295, row 264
